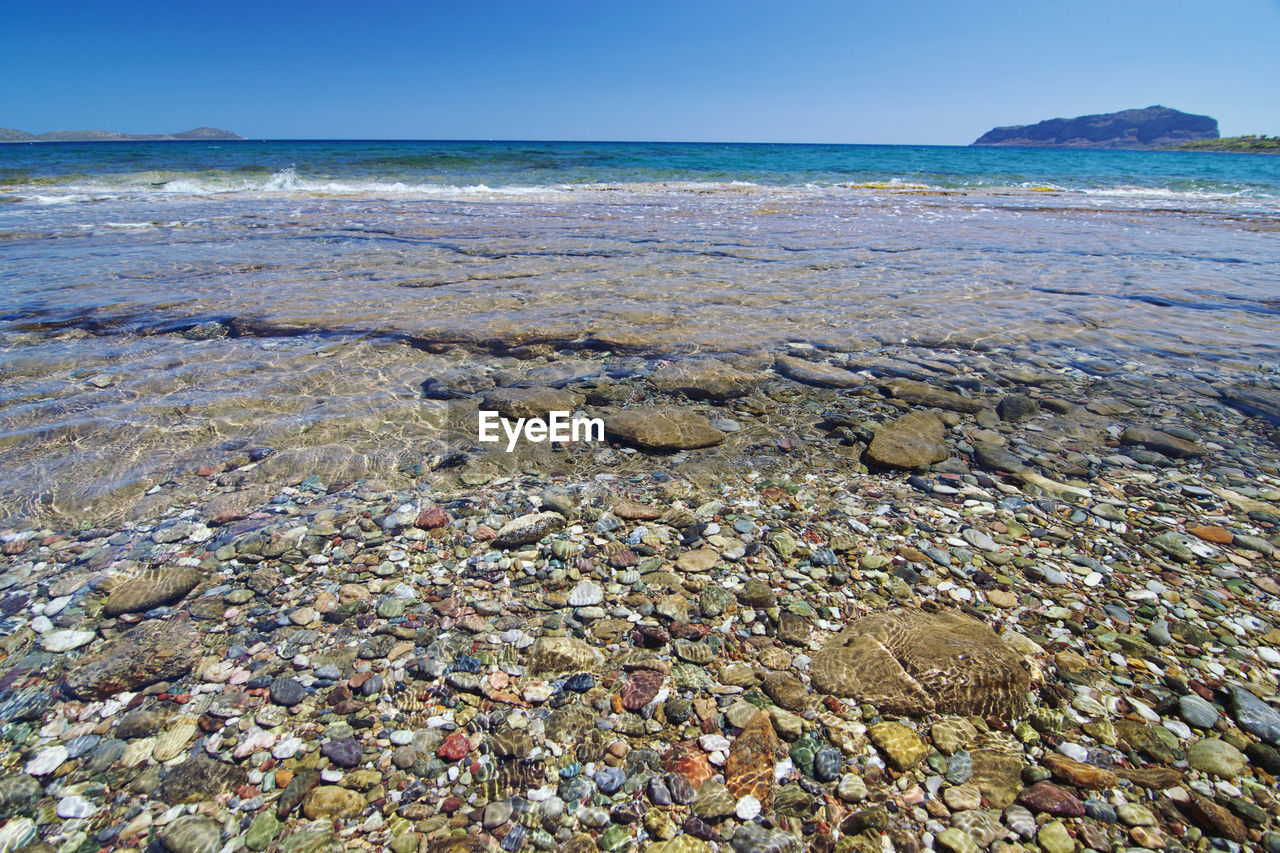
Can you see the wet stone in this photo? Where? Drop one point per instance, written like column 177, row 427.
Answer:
column 1195, row 711
column 343, row 752
column 192, row 834
column 1052, row 799
column 287, row 691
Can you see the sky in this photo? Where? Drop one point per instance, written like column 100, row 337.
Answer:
column 843, row 71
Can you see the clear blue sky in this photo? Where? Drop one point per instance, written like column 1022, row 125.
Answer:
column 910, row 71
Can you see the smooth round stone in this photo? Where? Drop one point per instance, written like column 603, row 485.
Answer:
column 1217, row 758
column 328, row 672
column 496, row 814
column 586, row 594
column 659, row 793
column 1074, row 751
column 610, row 779
column 1100, row 810
column 47, row 760
column 75, row 806
column 593, row 816
column 1052, row 576
column 1117, row 613
column 748, row 808
column 852, row 788
column 270, row 716
column 827, row 765
column 1197, row 711
column 714, row 742
column 400, row 737
column 65, row 641
column 287, row 748
column 345, row 752
column 959, row 768
column 287, row 691
column 78, row 746
column 1179, row 728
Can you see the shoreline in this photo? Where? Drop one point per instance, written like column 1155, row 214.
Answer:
column 572, row 648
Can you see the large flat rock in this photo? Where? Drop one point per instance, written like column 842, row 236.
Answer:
column 661, row 428
column 153, row 651
column 817, row 373
column 914, row 663
column 151, row 588
column 923, row 394
column 704, row 379
column 915, row 440
column 535, row 402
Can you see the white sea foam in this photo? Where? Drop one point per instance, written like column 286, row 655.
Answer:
column 287, row 182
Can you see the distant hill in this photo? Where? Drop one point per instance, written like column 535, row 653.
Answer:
column 1236, row 145
column 1153, row 127
column 199, row 134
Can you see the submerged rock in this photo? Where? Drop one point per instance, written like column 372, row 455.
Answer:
column 153, row 651
column 150, row 589
column 915, row 440
column 662, row 428
column 704, row 379
column 915, row 663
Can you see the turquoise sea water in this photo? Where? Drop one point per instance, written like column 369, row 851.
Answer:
column 162, row 302
column 373, row 166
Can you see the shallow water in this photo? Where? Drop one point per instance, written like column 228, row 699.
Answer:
column 334, row 281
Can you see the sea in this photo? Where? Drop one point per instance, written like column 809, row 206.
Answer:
column 165, row 304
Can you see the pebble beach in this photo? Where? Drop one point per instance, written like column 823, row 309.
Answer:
column 935, row 514
column 956, row 601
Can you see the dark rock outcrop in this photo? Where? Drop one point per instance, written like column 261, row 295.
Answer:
column 198, row 134
column 1153, row 127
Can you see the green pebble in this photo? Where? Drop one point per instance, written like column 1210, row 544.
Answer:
column 616, row 837
column 263, row 829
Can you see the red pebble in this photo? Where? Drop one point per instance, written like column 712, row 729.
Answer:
column 484, row 533
column 430, row 519
column 450, row 805
column 206, row 471
column 455, row 747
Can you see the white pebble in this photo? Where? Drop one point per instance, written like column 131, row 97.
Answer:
column 713, row 742
column 65, row 641
column 287, row 748
column 1074, row 751
column 748, row 808
column 47, row 760
column 75, row 806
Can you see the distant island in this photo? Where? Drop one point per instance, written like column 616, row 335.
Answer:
column 199, row 134
column 1153, row 127
column 1236, row 145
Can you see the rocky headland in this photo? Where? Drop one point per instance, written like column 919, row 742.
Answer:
column 926, row 599
column 199, row 134
column 1152, row 127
